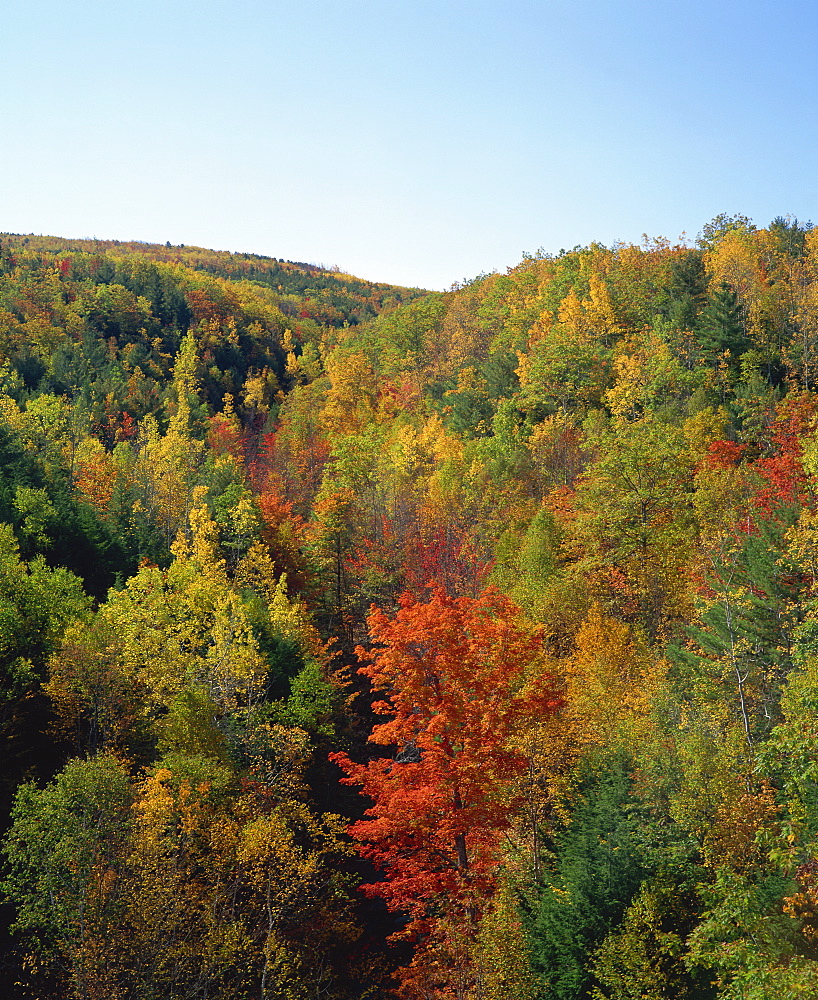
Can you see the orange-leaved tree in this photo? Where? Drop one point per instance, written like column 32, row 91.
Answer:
column 461, row 679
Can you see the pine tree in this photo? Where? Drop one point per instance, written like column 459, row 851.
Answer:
column 721, row 324
column 598, row 866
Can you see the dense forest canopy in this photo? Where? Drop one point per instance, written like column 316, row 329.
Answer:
column 360, row 641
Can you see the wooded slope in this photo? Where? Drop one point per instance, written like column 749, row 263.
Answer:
column 567, row 515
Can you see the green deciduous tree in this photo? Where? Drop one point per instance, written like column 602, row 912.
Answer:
column 65, row 852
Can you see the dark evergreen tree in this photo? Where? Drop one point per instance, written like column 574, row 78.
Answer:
column 598, row 866
column 686, row 291
column 721, row 324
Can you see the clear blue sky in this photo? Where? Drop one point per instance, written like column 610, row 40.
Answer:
column 416, row 142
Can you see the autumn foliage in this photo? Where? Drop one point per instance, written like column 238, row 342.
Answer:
column 357, row 640
column 460, row 679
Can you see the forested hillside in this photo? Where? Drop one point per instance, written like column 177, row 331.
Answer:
column 357, row 641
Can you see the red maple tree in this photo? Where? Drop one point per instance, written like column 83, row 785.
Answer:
column 460, row 677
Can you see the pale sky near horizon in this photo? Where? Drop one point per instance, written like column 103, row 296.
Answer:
column 413, row 142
